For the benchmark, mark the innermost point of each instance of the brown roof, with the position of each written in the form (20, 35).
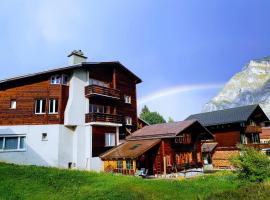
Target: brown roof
(130, 149)
(208, 147)
(165, 130)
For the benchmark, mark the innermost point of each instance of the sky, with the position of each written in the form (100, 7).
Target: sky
(183, 50)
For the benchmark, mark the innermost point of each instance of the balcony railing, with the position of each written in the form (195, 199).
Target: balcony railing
(101, 117)
(253, 129)
(96, 90)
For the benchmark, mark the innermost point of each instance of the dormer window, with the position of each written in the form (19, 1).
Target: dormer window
(56, 79)
(127, 99)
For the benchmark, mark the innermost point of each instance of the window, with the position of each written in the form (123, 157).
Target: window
(99, 83)
(128, 121)
(64, 79)
(127, 99)
(13, 104)
(109, 139)
(53, 105)
(55, 79)
(119, 164)
(11, 143)
(44, 137)
(40, 106)
(129, 164)
(99, 109)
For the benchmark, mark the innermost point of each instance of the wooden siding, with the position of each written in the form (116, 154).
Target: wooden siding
(227, 139)
(25, 93)
(98, 140)
(127, 86)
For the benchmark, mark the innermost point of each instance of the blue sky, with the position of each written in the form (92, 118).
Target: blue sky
(184, 50)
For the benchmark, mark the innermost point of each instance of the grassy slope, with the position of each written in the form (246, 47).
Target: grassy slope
(28, 182)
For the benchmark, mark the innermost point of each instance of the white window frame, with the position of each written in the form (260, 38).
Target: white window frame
(40, 107)
(127, 99)
(128, 121)
(54, 80)
(63, 78)
(13, 104)
(111, 140)
(54, 106)
(18, 144)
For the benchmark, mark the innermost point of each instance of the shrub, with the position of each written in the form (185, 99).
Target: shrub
(252, 165)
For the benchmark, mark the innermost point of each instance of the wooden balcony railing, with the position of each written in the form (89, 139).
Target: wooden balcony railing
(101, 117)
(253, 129)
(96, 90)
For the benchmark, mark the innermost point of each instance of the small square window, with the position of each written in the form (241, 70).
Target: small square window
(127, 99)
(128, 121)
(13, 104)
(44, 136)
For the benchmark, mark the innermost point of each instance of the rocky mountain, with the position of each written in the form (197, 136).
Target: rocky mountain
(250, 86)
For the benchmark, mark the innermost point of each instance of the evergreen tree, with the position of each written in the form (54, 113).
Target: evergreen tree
(151, 117)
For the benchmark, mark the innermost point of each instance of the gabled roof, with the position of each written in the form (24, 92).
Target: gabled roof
(227, 116)
(165, 130)
(67, 68)
(130, 149)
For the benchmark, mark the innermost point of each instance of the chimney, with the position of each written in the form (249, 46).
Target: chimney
(76, 57)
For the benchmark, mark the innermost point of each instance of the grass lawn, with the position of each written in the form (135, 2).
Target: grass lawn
(29, 182)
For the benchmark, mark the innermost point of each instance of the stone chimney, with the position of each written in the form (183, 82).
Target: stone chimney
(76, 57)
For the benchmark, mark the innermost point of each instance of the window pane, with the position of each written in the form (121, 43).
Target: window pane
(11, 143)
(37, 106)
(51, 105)
(52, 80)
(1, 143)
(22, 142)
(107, 139)
(112, 139)
(56, 105)
(43, 105)
(94, 108)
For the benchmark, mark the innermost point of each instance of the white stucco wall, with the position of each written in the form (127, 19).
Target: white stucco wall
(77, 102)
(38, 152)
(65, 154)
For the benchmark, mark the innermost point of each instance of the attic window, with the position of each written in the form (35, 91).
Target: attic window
(134, 146)
(56, 79)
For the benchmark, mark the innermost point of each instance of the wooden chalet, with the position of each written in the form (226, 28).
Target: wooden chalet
(160, 148)
(241, 125)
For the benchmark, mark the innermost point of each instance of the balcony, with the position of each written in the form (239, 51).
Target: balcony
(96, 90)
(253, 129)
(101, 117)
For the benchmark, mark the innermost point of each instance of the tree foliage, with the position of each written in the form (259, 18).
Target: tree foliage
(252, 165)
(151, 117)
(170, 120)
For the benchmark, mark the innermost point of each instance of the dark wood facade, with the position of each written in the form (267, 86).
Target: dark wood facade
(120, 84)
(25, 92)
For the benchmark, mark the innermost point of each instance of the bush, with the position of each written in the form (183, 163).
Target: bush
(252, 165)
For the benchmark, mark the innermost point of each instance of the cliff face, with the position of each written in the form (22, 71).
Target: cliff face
(250, 86)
